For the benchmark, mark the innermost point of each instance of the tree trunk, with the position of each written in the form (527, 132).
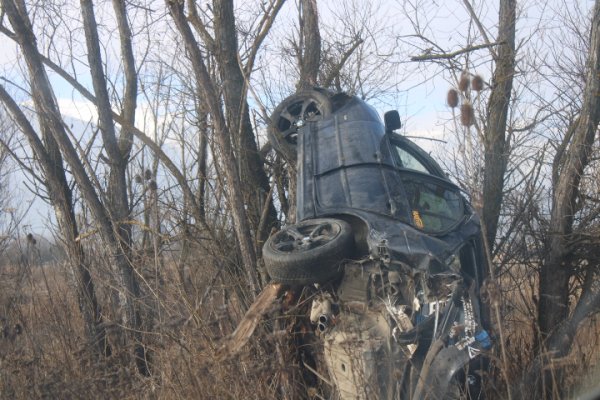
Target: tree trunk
(310, 44)
(557, 328)
(118, 150)
(202, 119)
(54, 132)
(495, 143)
(223, 136)
(556, 272)
(61, 199)
(250, 164)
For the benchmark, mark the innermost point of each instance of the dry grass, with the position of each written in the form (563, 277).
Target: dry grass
(518, 288)
(48, 359)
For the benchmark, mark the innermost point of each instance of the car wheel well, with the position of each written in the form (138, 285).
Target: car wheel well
(360, 231)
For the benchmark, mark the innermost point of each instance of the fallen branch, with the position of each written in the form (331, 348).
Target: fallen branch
(238, 339)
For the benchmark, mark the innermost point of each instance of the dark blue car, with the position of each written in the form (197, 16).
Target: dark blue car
(383, 228)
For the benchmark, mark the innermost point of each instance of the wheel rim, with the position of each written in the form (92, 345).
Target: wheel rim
(298, 238)
(297, 114)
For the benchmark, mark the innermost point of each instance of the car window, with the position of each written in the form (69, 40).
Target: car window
(409, 161)
(434, 207)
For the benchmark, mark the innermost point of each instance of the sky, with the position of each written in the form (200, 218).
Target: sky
(418, 90)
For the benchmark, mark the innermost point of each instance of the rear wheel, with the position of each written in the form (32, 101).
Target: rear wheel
(292, 114)
(308, 252)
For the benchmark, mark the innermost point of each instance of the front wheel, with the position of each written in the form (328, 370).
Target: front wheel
(308, 252)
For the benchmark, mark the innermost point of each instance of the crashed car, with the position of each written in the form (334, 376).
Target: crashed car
(394, 245)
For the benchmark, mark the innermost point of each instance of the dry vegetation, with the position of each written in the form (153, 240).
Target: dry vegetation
(518, 288)
(43, 350)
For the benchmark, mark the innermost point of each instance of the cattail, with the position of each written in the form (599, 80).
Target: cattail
(148, 174)
(152, 185)
(137, 179)
(477, 83)
(467, 114)
(452, 98)
(464, 81)
(30, 238)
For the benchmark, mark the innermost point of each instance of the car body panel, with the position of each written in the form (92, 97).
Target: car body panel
(346, 167)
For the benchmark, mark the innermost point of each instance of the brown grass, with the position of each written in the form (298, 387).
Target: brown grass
(49, 359)
(518, 288)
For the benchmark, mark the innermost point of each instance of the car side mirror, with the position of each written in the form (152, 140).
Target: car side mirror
(392, 121)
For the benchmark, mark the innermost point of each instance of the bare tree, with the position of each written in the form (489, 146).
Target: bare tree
(234, 77)
(112, 214)
(496, 140)
(557, 324)
(223, 135)
(551, 244)
(60, 194)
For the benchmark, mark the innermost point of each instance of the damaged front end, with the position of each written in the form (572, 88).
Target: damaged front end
(390, 334)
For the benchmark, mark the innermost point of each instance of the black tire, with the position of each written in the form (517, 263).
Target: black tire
(294, 112)
(308, 252)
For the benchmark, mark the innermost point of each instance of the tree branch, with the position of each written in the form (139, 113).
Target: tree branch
(449, 56)
(130, 95)
(480, 27)
(264, 27)
(199, 26)
(164, 158)
(338, 67)
(223, 135)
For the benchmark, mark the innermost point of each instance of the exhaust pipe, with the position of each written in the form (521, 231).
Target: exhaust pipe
(323, 323)
(321, 306)
(321, 327)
